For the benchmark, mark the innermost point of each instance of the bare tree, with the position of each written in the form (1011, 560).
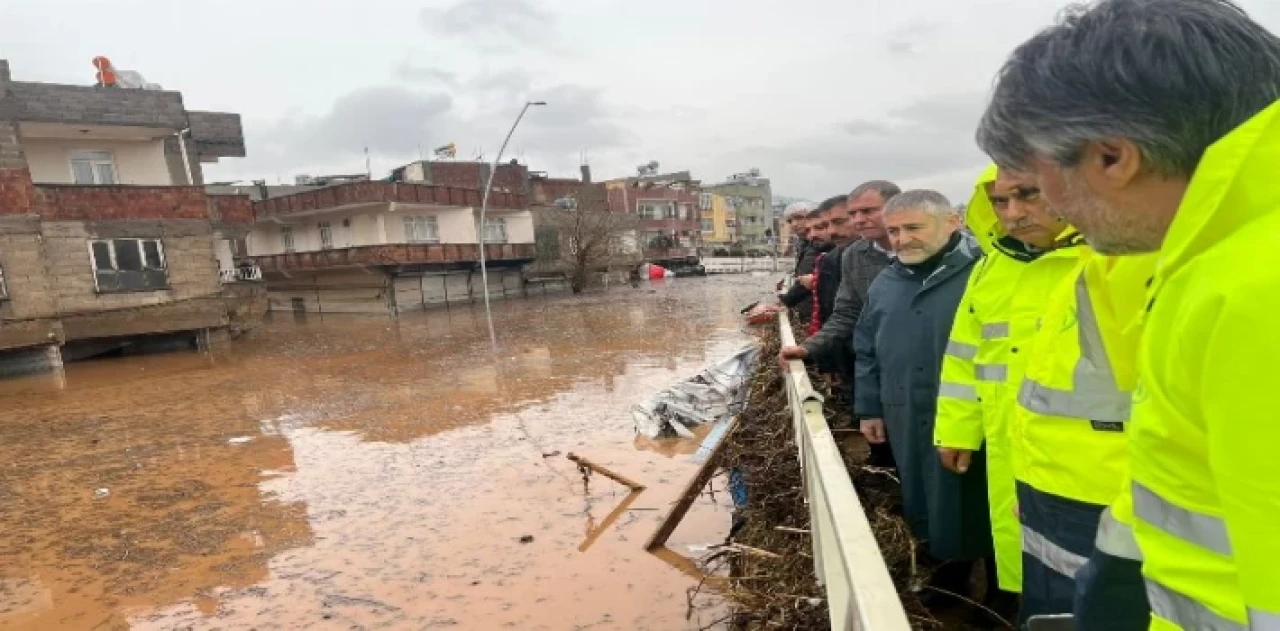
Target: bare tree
(580, 235)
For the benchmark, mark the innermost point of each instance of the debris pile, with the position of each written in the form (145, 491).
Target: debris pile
(775, 588)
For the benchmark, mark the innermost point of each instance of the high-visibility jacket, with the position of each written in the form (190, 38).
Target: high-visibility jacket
(1068, 429)
(1206, 484)
(984, 364)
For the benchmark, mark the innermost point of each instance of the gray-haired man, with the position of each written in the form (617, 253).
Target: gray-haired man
(898, 345)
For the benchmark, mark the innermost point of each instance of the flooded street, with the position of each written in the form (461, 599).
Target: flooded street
(358, 472)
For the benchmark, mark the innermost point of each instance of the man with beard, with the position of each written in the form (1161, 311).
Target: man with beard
(1028, 252)
(1153, 126)
(898, 345)
(860, 263)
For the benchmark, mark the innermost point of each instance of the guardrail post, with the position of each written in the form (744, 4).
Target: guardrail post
(846, 558)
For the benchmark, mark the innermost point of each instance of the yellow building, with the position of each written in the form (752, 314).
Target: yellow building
(719, 219)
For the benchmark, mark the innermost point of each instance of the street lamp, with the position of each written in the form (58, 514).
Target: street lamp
(484, 208)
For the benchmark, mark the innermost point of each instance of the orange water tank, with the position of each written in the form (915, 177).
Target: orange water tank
(106, 74)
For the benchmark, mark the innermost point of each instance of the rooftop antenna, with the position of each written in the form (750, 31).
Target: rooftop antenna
(368, 167)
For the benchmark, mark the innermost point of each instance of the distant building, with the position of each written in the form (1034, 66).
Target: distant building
(751, 199)
(106, 234)
(667, 206)
(719, 219)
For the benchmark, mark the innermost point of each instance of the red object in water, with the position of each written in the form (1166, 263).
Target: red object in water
(656, 272)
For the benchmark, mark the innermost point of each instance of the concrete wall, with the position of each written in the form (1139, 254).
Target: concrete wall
(29, 316)
(519, 225)
(57, 103)
(188, 252)
(137, 162)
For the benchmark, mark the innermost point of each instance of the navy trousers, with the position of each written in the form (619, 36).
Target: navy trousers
(1057, 539)
(1110, 595)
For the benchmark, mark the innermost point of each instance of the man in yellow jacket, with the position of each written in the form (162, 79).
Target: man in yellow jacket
(1154, 126)
(989, 341)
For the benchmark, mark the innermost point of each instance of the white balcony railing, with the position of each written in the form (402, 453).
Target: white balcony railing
(241, 274)
(846, 557)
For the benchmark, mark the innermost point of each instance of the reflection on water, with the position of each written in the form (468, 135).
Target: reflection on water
(344, 472)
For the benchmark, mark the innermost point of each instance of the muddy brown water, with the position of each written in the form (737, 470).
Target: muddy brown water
(356, 472)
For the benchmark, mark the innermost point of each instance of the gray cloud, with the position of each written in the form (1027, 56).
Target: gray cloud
(904, 40)
(396, 122)
(926, 142)
(412, 73)
(493, 23)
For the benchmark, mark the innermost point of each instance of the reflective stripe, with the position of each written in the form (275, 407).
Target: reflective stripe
(995, 330)
(1186, 612)
(1203, 530)
(1260, 620)
(960, 350)
(1096, 396)
(958, 391)
(1053, 556)
(1111, 407)
(1116, 539)
(991, 372)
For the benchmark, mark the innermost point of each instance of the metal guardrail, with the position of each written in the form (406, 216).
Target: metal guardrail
(846, 557)
(736, 264)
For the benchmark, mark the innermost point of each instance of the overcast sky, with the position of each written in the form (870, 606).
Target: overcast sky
(820, 95)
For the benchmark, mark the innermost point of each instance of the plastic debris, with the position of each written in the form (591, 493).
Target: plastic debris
(712, 395)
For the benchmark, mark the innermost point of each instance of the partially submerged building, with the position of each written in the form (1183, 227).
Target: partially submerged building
(107, 238)
(387, 247)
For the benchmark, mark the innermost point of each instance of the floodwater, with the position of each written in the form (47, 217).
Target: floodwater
(359, 472)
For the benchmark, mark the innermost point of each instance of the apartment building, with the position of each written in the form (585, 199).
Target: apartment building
(719, 219)
(387, 247)
(669, 227)
(751, 198)
(107, 238)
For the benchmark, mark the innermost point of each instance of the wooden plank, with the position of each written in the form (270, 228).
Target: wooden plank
(691, 492)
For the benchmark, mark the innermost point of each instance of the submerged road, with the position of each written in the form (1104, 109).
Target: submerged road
(358, 472)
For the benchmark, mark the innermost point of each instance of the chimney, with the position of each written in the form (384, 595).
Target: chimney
(263, 193)
(586, 174)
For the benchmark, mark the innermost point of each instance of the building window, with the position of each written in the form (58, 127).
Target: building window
(286, 238)
(326, 235)
(707, 226)
(4, 288)
(93, 167)
(704, 201)
(421, 230)
(672, 212)
(650, 211)
(129, 265)
(495, 230)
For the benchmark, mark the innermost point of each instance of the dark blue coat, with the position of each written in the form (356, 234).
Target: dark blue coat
(898, 346)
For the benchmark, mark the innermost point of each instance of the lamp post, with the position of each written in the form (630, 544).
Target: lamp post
(484, 208)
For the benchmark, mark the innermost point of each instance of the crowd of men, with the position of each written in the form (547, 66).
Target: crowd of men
(1073, 378)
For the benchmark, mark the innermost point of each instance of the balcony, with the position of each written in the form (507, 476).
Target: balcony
(668, 225)
(393, 255)
(368, 193)
(244, 274)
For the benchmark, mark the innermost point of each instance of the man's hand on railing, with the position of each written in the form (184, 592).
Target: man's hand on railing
(806, 280)
(873, 429)
(789, 353)
(955, 460)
